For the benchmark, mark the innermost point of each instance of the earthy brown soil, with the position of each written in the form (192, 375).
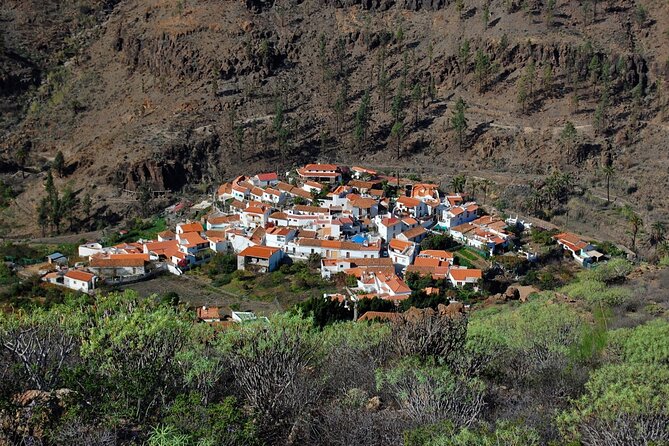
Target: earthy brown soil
(150, 92)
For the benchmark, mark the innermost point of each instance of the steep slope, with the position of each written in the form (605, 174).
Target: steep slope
(168, 94)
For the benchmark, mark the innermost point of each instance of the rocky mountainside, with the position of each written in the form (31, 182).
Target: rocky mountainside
(177, 94)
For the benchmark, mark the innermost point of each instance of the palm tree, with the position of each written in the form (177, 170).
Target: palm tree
(608, 172)
(636, 222)
(536, 201)
(485, 185)
(458, 183)
(473, 187)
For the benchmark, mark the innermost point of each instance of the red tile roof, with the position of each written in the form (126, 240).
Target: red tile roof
(119, 260)
(400, 245)
(409, 202)
(261, 252)
(208, 313)
(79, 275)
(270, 176)
(414, 232)
(321, 167)
(462, 274)
(191, 227)
(191, 239)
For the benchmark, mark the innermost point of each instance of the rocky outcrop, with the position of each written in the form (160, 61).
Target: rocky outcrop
(196, 159)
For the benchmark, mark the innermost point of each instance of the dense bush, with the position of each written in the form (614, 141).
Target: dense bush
(142, 372)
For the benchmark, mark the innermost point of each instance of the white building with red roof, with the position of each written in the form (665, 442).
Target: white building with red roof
(401, 252)
(269, 179)
(410, 206)
(260, 259)
(463, 276)
(79, 280)
(458, 215)
(324, 173)
(582, 251)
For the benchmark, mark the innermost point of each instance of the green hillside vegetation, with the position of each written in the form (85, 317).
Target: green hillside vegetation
(142, 372)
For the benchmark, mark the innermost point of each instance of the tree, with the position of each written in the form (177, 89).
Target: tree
(522, 94)
(430, 54)
(416, 98)
(43, 214)
(397, 107)
(322, 54)
(568, 136)
(383, 84)
(51, 191)
(550, 12)
(458, 183)
(594, 69)
(486, 14)
(68, 203)
(459, 120)
(339, 105)
(608, 172)
(22, 157)
(59, 164)
(432, 89)
(463, 58)
(40, 345)
(482, 69)
(397, 132)
(362, 119)
(635, 222)
(239, 139)
(86, 205)
(485, 187)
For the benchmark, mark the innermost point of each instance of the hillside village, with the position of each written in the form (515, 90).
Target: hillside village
(350, 221)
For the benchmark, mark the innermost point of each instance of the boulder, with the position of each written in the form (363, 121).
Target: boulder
(512, 293)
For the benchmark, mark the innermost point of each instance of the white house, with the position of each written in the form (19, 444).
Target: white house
(401, 252)
(389, 227)
(332, 249)
(362, 172)
(241, 190)
(582, 251)
(273, 196)
(215, 222)
(262, 259)
(183, 228)
(119, 265)
(269, 179)
(255, 216)
(411, 206)
(278, 236)
(89, 249)
(362, 207)
(330, 173)
(79, 280)
(459, 215)
(415, 234)
(463, 276)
